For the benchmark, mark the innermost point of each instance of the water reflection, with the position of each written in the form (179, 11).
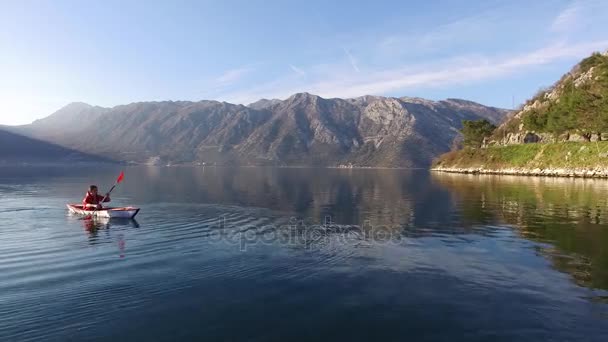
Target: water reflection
(97, 223)
(570, 217)
(348, 196)
(99, 231)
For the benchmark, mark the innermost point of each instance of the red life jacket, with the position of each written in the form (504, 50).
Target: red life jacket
(89, 198)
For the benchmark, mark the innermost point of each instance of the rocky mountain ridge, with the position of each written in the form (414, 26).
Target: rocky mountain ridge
(303, 130)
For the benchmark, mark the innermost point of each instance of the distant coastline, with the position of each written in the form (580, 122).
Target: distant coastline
(10, 163)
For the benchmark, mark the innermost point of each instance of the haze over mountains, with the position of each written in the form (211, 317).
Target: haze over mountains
(302, 130)
(15, 148)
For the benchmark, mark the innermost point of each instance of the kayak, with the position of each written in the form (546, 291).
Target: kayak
(121, 212)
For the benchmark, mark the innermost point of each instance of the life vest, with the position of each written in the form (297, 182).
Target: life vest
(91, 200)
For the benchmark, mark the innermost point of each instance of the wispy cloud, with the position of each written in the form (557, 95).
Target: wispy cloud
(460, 70)
(215, 86)
(465, 50)
(352, 60)
(297, 70)
(444, 35)
(232, 76)
(569, 17)
(579, 16)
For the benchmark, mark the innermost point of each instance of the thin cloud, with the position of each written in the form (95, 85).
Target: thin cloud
(461, 70)
(447, 34)
(568, 18)
(297, 70)
(580, 16)
(232, 76)
(352, 60)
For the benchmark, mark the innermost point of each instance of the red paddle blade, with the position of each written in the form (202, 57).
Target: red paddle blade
(120, 177)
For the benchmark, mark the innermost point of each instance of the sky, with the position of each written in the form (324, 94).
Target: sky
(110, 52)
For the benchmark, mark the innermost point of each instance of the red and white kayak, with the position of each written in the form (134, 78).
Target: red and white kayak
(122, 212)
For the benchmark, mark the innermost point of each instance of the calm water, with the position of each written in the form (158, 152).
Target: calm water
(303, 254)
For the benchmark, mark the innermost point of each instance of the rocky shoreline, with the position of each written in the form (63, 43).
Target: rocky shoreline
(549, 172)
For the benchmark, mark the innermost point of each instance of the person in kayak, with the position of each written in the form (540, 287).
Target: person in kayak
(92, 200)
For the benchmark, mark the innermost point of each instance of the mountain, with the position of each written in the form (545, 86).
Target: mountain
(304, 129)
(264, 103)
(551, 133)
(73, 118)
(15, 148)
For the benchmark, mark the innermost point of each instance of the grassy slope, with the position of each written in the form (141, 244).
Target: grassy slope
(529, 156)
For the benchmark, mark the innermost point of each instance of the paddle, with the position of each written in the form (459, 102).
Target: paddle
(121, 176)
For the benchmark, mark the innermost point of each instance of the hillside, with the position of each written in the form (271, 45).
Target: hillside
(562, 130)
(15, 148)
(302, 130)
(573, 109)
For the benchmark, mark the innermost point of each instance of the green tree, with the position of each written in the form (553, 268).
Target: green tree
(474, 131)
(535, 120)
